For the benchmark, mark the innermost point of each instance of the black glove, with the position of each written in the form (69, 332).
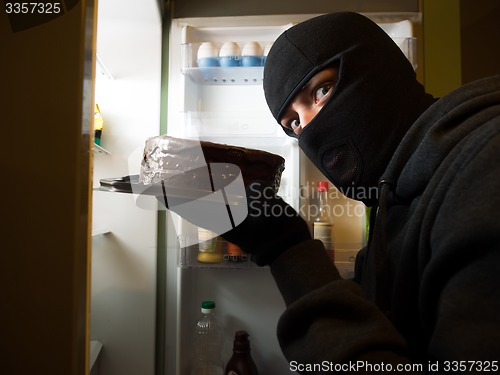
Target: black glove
(271, 227)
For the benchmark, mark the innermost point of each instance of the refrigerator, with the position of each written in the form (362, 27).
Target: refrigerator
(48, 82)
(226, 105)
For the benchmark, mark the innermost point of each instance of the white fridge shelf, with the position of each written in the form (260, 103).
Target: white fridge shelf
(100, 231)
(188, 258)
(95, 350)
(100, 150)
(238, 75)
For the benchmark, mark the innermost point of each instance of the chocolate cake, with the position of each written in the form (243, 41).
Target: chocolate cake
(185, 163)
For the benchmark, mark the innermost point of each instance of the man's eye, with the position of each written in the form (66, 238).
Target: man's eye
(322, 91)
(294, 124)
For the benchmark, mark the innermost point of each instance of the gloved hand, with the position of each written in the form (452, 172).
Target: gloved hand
(271, 227)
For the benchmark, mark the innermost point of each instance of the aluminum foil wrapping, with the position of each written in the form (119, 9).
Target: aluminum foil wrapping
(183, 163)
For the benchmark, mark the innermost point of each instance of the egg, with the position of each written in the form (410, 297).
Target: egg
(252, 54)
(207, 49)
(229, 49)
(229, 54)
(267, 48)
(207, 55)
(252, 49)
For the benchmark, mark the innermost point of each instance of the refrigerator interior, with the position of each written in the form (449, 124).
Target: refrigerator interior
(236, 114)
(227, 105)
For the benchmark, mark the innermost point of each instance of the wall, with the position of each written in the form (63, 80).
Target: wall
(480, 38)
(441, 39)
(460, 40)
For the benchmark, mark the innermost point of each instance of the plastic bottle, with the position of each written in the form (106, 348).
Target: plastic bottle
(323, 225)
(207, 343)
(98, 125)
(241, 362)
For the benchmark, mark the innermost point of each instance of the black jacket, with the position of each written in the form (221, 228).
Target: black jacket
(428, 284)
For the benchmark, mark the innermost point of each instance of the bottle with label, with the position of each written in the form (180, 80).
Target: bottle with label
(241, 362)
(207, 343)
(323, 225)
(98, 125)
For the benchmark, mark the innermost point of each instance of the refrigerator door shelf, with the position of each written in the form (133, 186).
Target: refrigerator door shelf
(237, 75)
(100, 150)
(346, 269)
(177, 195)
(253, 75)
(188, 258)
(345, 258)
(95, 350)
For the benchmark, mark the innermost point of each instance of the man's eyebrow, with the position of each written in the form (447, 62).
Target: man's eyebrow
(313, 78)
(306, 84)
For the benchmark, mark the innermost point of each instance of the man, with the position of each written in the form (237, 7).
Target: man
(426, 291)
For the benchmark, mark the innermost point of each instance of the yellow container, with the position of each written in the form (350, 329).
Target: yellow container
(211, 247)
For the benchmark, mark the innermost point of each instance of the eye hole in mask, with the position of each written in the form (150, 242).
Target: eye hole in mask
(310, 100)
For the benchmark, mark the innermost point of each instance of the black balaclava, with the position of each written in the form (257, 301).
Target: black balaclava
(375, 101)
